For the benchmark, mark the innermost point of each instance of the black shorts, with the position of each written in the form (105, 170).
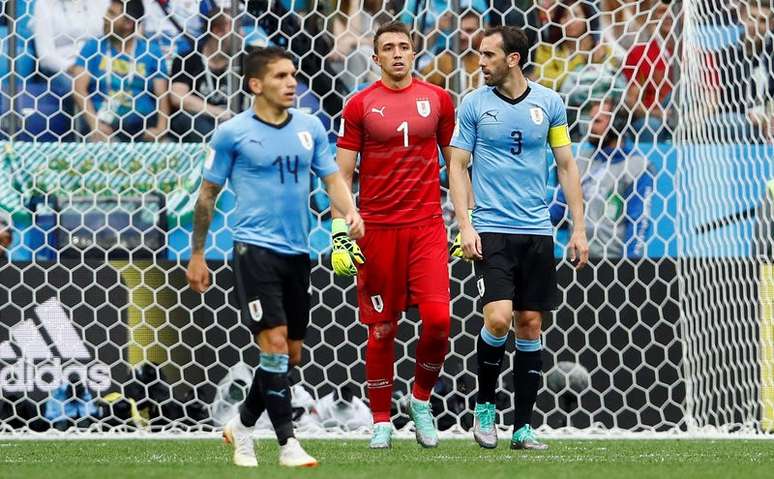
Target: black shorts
(272, 289)
(520, 268)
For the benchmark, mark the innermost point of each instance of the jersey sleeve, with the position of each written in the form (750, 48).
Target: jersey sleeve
(446, 121)
(558, 133)
(351, 128)
(323, 163)
(465, 131)
(220, 157)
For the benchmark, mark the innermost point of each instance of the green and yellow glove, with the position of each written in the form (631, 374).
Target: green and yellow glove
(345, 252)
(456, 247)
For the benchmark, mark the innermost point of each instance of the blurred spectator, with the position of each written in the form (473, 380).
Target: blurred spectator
(353, 28)
(649, 67)
(617, 183)
(60, 28)
(743, 78)
(303, 32)
(623, 23)
(176, 24)
(569, 44)
(121, 80)
(586, 85)
(6, 236)
(434, 21)
(204, 81)
(446, 66)
(573, 62)
(428, 13)
(525, 14)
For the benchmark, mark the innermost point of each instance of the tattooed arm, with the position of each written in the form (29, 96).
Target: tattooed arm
(198, 274)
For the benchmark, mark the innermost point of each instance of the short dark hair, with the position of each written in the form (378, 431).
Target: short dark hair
(257, 61)
(133, 8)
(514, 41)
(392, 27)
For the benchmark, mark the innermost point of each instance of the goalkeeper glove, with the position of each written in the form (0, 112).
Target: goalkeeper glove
(346, 253)
(456, 247)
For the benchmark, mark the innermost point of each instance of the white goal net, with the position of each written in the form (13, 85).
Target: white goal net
(104, 120)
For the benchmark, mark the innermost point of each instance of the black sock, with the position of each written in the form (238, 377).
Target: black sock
(275, 386)
(490, 360)
(252, 407)
(527, 373)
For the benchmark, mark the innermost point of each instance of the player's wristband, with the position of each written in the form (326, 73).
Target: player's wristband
(339, 226)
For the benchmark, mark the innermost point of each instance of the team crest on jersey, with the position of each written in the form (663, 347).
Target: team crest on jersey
(256, 310)
(306, 139)
(423, 108)
(537, 115)
(377, 303)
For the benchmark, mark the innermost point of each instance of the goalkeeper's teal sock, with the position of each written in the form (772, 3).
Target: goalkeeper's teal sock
(490, 350)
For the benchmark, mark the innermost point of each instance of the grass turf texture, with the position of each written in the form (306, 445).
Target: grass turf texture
(661, 459)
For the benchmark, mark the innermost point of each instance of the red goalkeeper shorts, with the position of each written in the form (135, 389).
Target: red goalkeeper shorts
(404, 266)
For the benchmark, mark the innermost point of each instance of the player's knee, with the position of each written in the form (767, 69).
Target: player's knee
(382, 332)
(273, 340)
(498, 323)
(529, 324)
(435, 319)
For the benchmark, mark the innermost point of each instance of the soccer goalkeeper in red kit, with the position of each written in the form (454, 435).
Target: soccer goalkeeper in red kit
(396, 126)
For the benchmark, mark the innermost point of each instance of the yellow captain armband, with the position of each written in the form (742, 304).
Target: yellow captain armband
(559, 136)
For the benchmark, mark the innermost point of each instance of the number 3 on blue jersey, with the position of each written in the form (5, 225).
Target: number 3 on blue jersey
(517, 140)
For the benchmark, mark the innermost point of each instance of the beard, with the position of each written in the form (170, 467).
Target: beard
(496, 76)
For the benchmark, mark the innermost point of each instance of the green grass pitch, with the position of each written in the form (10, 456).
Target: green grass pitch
(598, 459)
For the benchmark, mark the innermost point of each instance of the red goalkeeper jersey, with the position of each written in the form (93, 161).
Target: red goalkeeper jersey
(397, 133)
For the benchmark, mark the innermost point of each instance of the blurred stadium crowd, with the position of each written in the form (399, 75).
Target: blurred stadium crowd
(169, 69)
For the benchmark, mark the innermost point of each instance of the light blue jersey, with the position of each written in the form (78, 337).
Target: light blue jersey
(268, 167)
(508, 140)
